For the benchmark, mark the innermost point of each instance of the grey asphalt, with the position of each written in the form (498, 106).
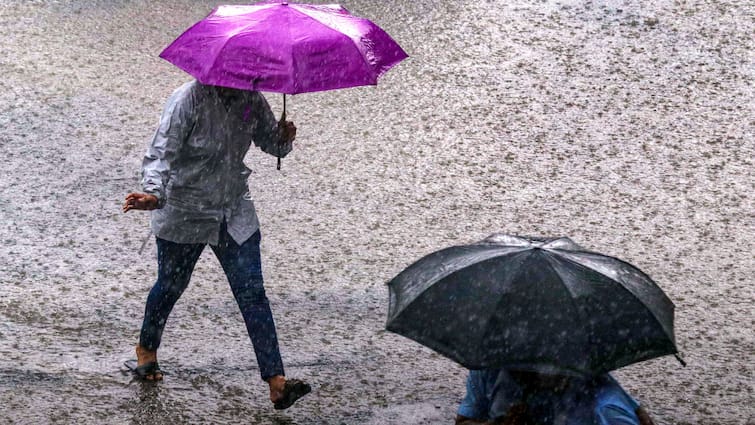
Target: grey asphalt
(625, 125)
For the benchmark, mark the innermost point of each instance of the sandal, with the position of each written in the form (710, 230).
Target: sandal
(144, 371)
(293, 390)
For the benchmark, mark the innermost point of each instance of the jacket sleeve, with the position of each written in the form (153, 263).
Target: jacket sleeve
(176, 123)
(266, 134)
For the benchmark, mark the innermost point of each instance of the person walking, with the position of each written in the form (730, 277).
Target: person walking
(195, 183)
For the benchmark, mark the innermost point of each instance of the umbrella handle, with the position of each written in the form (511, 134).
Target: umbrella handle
(282, 120)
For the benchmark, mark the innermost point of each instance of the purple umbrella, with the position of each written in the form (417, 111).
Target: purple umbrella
(284, 48)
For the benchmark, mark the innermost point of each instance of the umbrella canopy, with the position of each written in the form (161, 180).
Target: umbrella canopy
(538, 304)
(284, 48)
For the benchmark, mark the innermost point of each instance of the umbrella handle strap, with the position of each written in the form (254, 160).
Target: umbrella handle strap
(281, 121)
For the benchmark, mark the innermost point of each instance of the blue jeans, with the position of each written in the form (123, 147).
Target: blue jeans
(243, 268)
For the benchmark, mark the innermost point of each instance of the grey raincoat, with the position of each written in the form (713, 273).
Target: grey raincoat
(195, 164)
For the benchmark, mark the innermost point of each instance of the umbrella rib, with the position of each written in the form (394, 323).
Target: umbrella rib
(434, 344)
(240, 31)
(220, 51)
(624, 288)
(643, 274)
(500, 302)
(176, 41)
(571, 298)
(487, 322)
(652, 314)
(294, 76)
(498, 305)
(373, 75)
(488, 255)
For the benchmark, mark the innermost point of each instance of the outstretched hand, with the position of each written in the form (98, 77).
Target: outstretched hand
(140, 201)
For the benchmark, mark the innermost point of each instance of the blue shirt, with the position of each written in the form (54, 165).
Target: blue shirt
(598, 401)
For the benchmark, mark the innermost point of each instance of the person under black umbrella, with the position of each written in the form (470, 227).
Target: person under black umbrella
(540, 304)
(511, 397)
(540, 322)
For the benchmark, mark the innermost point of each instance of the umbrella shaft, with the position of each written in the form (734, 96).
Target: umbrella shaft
(283, 116)
(282, 121)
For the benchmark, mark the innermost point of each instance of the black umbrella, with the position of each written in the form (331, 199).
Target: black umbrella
(539, 304)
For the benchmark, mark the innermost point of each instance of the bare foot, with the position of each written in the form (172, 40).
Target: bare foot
(284, 393)
(277, 383)
(144, 356)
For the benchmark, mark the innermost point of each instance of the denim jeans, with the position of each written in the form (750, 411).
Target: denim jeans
(243, 268)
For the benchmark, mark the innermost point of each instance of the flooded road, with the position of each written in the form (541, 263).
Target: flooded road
(625, 125)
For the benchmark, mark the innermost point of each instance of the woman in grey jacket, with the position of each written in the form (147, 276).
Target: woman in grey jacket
(195, 180)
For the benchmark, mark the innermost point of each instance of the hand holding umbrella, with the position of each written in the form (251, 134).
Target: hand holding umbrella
(287, 131)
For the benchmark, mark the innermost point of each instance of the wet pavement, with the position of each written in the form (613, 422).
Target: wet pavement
(625, 125)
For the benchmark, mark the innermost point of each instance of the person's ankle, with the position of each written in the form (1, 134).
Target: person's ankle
(144, 355)
(277, 384)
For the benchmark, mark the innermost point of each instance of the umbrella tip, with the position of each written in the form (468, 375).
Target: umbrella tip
(681, 360)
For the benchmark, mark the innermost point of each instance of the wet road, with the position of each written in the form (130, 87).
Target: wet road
(624, 125)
